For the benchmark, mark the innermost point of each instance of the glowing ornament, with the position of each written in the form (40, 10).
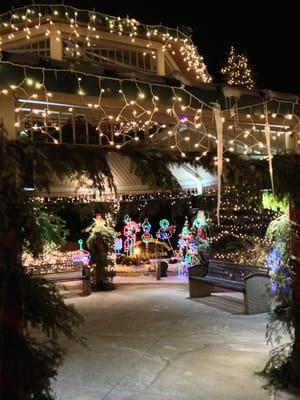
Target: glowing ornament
(81, 256)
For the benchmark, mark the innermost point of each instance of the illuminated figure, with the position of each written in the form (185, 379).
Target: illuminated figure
(166, 230)
(81, 256)
(146, 236)
(187, 245)
(130, 230)
(199, 225)
(118, 242)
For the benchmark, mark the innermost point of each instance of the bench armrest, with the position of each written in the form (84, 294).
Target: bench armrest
(257, 293)
(86, 272)
(198, 270)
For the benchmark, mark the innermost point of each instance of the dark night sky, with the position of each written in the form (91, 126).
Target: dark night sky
(268, 32)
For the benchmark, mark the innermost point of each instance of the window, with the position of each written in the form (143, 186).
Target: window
(135, 58)
(61, 126)
(41, 48)
(168, 66)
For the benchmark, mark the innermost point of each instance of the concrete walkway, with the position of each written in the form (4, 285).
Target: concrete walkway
(150, 342)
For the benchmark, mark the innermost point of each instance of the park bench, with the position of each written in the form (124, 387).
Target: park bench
(78, 273)
(253, 282)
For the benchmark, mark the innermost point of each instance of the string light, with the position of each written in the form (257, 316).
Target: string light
(33, 17)
(242, 229)
(143, 116)
(237, 71)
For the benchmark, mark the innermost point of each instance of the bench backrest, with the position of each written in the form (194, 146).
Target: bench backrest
(79, 272)
(232, 272)
(54, 268)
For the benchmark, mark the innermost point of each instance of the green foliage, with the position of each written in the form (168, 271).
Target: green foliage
(254, 173)
(101, 245)
(80, 162)
(279, 231)
(151, 164)
(282, 368)
(50, 229)
(44, 308)
(277, 367)
(99, 229)
(32, 312)
(270, 202)
(33, 364)
(34, 358)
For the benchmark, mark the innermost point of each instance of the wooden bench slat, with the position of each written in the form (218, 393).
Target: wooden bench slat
(226, 284)
(63, 275)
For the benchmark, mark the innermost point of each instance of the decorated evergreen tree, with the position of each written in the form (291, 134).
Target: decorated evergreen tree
(101, 243)
(240, 238)
(237, 71)
(27, 363)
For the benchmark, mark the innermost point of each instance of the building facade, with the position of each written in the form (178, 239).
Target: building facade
(77, 77)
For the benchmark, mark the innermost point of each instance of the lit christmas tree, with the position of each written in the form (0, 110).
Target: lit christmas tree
(237, 71)
(240, 238)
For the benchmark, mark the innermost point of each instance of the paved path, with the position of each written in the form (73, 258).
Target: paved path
(149, 342)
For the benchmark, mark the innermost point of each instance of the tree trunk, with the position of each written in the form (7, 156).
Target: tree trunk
(100, 274)
(294, 211)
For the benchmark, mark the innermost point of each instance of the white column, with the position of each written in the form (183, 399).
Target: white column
(290, 141)
(160, 62)
(56, 45)
(7, 115)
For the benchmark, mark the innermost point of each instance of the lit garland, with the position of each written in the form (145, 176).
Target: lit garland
(125, 198)
(47, 18)
(243, 127)
(52, 260)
